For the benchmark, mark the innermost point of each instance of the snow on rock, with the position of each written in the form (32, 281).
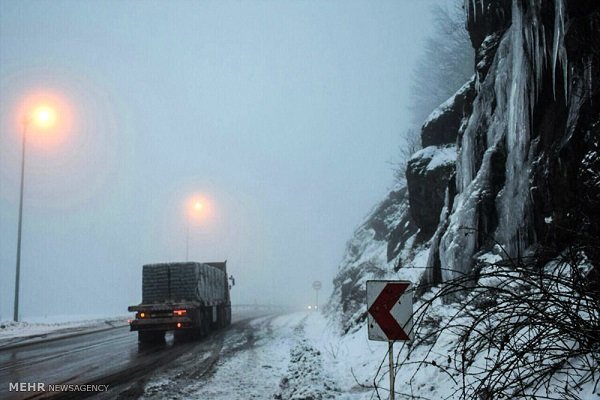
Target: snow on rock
(371, 253)
(442, 125)
(433, 157)
(427, 175)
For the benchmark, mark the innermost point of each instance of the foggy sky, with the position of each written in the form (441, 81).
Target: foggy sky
(283, 115)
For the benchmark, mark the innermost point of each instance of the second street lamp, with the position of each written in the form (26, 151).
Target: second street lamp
(43, 117)
(195, 213)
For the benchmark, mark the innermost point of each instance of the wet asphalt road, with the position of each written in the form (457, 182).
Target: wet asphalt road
(111, 357)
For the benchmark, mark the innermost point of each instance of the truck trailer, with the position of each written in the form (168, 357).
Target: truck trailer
(189, 298)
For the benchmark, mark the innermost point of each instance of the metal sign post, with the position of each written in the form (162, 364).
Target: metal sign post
(392, 372)
(389, 305)
(317, 286)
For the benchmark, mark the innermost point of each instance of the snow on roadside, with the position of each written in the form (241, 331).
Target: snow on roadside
(432, 371)
(354, 363)
(11, 331)
(258, 369)
(306, 379)
(346, 358)
(250, 365)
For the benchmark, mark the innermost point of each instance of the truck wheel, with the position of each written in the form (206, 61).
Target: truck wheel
(219, 317)
(206, 322)
(151, 336)
(197, 333)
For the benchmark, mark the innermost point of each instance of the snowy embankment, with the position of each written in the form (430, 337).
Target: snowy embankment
(355, 368)
(44, 328)
(255, 360)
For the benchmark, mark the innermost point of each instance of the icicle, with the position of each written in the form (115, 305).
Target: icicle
(457, 244)
(471, 4)
(577, 96)
(559, 52)
(588, 66)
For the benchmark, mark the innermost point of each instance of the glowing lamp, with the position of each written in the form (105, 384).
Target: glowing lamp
(44, 116)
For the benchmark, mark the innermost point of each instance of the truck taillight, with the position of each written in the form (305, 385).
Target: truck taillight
(180, 312)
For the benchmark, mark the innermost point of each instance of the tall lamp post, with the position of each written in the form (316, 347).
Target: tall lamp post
(44, 117)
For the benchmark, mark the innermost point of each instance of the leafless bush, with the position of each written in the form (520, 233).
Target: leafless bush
(523, 330)
(446, 63)
(412, 144)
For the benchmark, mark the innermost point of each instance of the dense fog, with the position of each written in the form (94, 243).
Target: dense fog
(280, 118)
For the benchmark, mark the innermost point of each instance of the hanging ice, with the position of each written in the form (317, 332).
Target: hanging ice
(500, 123)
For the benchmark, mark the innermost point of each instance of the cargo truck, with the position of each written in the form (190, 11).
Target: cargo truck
(189, 298)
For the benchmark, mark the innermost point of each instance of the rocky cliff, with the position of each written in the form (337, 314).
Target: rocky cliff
(509, 162)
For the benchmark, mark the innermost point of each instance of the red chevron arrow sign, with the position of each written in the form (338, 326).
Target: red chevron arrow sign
(390, 310)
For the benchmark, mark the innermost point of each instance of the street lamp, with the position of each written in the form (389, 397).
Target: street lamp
(195, 213)
(44, 117)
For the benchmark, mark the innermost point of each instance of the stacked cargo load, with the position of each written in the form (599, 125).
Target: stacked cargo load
(177, 282)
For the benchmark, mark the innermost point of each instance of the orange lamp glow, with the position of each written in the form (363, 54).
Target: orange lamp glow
(48, 118)
(180, 312)
(179, 324)
(44, 116)
(142, 315)
(197, 209)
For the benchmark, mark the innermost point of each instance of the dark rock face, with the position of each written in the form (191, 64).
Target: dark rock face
(526, 179)
(379, 221)
(486, 18)
(443, 125)
(565, 175)
(405, 227)
(351, 289)
(427, 176)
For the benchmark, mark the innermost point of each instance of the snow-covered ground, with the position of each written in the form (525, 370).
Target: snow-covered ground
(295, 356)
(299, 357)
(43, 328)
(250, 363)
